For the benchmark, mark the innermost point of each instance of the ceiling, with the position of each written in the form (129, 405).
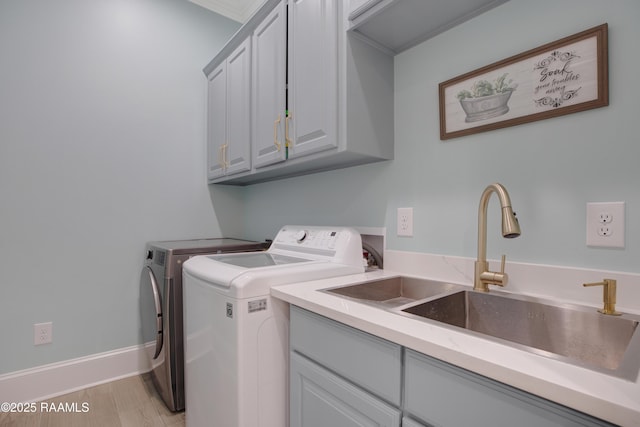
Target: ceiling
(238, 10)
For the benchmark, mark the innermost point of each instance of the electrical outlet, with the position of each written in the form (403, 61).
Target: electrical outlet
(604, 231)
(405, 222)
(605, 217)
(42, 333)
(605, 224)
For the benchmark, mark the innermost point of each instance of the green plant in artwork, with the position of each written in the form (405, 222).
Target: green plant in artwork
(485, 88)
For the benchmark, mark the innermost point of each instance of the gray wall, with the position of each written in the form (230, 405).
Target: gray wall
(102, 148)
(551, 168)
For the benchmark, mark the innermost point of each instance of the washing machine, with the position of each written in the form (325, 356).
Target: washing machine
(161, 307)
(236, 334)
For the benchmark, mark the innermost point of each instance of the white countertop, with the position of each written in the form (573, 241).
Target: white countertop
(613, 399)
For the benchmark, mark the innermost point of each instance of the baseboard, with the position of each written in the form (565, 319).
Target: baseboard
(47, 381)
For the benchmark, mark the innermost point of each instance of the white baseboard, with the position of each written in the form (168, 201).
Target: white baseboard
(47, 381)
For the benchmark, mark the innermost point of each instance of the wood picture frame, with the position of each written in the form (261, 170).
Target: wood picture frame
(558, 78)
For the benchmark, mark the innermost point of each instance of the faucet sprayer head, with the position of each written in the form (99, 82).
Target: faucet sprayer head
(510, 225)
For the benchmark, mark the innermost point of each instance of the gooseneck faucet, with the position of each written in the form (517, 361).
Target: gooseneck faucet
(510, 228)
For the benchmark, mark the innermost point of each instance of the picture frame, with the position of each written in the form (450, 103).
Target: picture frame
(558, 78)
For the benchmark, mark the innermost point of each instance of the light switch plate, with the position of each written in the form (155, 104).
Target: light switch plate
(605, 224)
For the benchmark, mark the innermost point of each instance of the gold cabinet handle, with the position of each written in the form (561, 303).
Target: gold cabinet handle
(222, 156)
(275, 134)
(287, 140)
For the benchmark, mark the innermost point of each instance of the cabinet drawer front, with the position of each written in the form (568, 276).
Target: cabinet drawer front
(321, 398)
(444, 395)
(369, 361)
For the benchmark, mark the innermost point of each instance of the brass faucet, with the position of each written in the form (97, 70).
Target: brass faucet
(608, 295)
(510, 228)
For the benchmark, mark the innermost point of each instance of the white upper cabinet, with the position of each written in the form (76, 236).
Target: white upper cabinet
(313, 76)
(307, 85)
(319, 99)
(229, 101)
(397, 25)
(216, 121)
(238, 109)
(269, 88)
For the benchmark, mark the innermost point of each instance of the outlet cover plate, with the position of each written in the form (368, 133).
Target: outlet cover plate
(42, 333)
(405, 222)
(605, 224)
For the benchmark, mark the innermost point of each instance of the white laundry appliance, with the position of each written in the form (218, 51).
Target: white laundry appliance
(236, 335)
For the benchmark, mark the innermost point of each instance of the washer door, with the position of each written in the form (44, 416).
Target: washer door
(151, 309)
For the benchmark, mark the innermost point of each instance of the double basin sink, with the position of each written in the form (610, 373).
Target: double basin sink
(574, 334)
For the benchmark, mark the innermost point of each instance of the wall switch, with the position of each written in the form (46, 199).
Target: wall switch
(605, 225)
(405, 222)
(42, 333)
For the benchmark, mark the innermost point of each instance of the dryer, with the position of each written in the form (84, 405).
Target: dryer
(161, 307)
(236, 334)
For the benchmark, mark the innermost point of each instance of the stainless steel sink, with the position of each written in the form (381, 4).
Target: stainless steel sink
(578, 335)
(574, 334)
(394, 292)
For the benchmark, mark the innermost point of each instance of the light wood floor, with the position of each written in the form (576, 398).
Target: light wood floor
(131, 401)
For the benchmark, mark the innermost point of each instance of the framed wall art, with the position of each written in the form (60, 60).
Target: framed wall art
(562, 77)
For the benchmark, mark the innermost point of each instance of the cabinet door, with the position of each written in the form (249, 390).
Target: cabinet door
(374, 364)
(268, 89)
(319, 398)
(313, 76)
(238, 148)
(216, 121)
(431, 385)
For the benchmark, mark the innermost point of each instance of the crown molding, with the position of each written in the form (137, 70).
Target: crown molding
(238, 10)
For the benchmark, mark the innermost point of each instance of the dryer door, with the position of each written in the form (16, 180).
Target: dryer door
(151, 309)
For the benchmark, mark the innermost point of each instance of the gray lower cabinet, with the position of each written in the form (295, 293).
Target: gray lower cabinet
(341, 376)
(444, 395)
(320, 398)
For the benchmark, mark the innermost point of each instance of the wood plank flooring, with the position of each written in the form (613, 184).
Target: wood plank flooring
(128, 402)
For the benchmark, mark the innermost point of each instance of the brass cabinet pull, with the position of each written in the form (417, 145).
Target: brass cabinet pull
(222, 156)
(287, 140)
(275, 134)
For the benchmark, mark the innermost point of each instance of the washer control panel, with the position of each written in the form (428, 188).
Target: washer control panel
(309, 237)
(332, 243)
